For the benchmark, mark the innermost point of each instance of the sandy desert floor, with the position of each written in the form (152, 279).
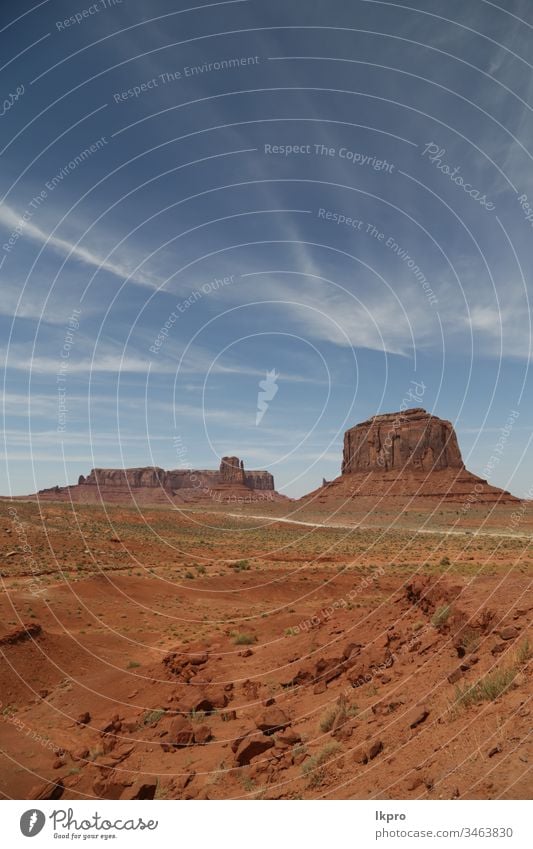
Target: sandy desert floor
(196, 654)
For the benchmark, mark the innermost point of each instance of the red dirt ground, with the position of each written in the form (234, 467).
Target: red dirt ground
(162, 654)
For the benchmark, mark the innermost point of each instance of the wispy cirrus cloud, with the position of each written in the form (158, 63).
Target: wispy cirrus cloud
(10, 219)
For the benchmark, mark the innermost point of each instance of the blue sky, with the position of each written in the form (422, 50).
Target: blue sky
(192, 197)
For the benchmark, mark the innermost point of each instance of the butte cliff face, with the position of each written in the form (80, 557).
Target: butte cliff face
(409, 440)
(410, 454)
(232, 471)
(151, 476)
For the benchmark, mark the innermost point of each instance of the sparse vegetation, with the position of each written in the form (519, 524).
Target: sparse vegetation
(241, 566)
(198, 715)
(441, 616)
(488, 688)
(243, 639)
(152, 717)
(524, 652)
(470, 640)
(311, 767)
(326, 723)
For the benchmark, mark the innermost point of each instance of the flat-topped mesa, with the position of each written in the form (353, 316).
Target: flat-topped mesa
(410, 440)
(231, 473)
(152, 476)
(152, 484)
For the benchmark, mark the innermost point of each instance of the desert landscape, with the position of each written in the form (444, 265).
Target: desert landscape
(197, 635)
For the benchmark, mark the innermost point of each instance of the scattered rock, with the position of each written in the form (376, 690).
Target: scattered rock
(180, 733)
(84, 718)
(418, 716)
(143, 788)
(272, 719)
(455, 675)
(252, 746)
(375, 749)
(360, 755)
(108, 788)
(206, 699)
(48, 790)
(509, 633)
(494, 751)
(113, 726)
(202, 735)
(288, 737)
(228, 715)
(238, 740)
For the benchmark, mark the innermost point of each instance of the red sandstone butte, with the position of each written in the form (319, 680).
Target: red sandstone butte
(408, 453)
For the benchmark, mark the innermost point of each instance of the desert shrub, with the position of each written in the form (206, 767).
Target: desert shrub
(524, 652)
(244, 639)
(152, 717)
(441, 616)
(240, 566)
(326, 723)
(311, 767)
(199, 715)
(445, 561)
(133, 664)
(470, 640)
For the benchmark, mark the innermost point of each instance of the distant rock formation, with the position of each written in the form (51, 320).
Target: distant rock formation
(232, 471)
(145, 476)
(410, 453)
(259, 480)
(152, 484)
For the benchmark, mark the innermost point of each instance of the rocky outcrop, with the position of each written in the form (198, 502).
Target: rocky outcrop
(259, 480)
(408, 440)
(232, 471)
